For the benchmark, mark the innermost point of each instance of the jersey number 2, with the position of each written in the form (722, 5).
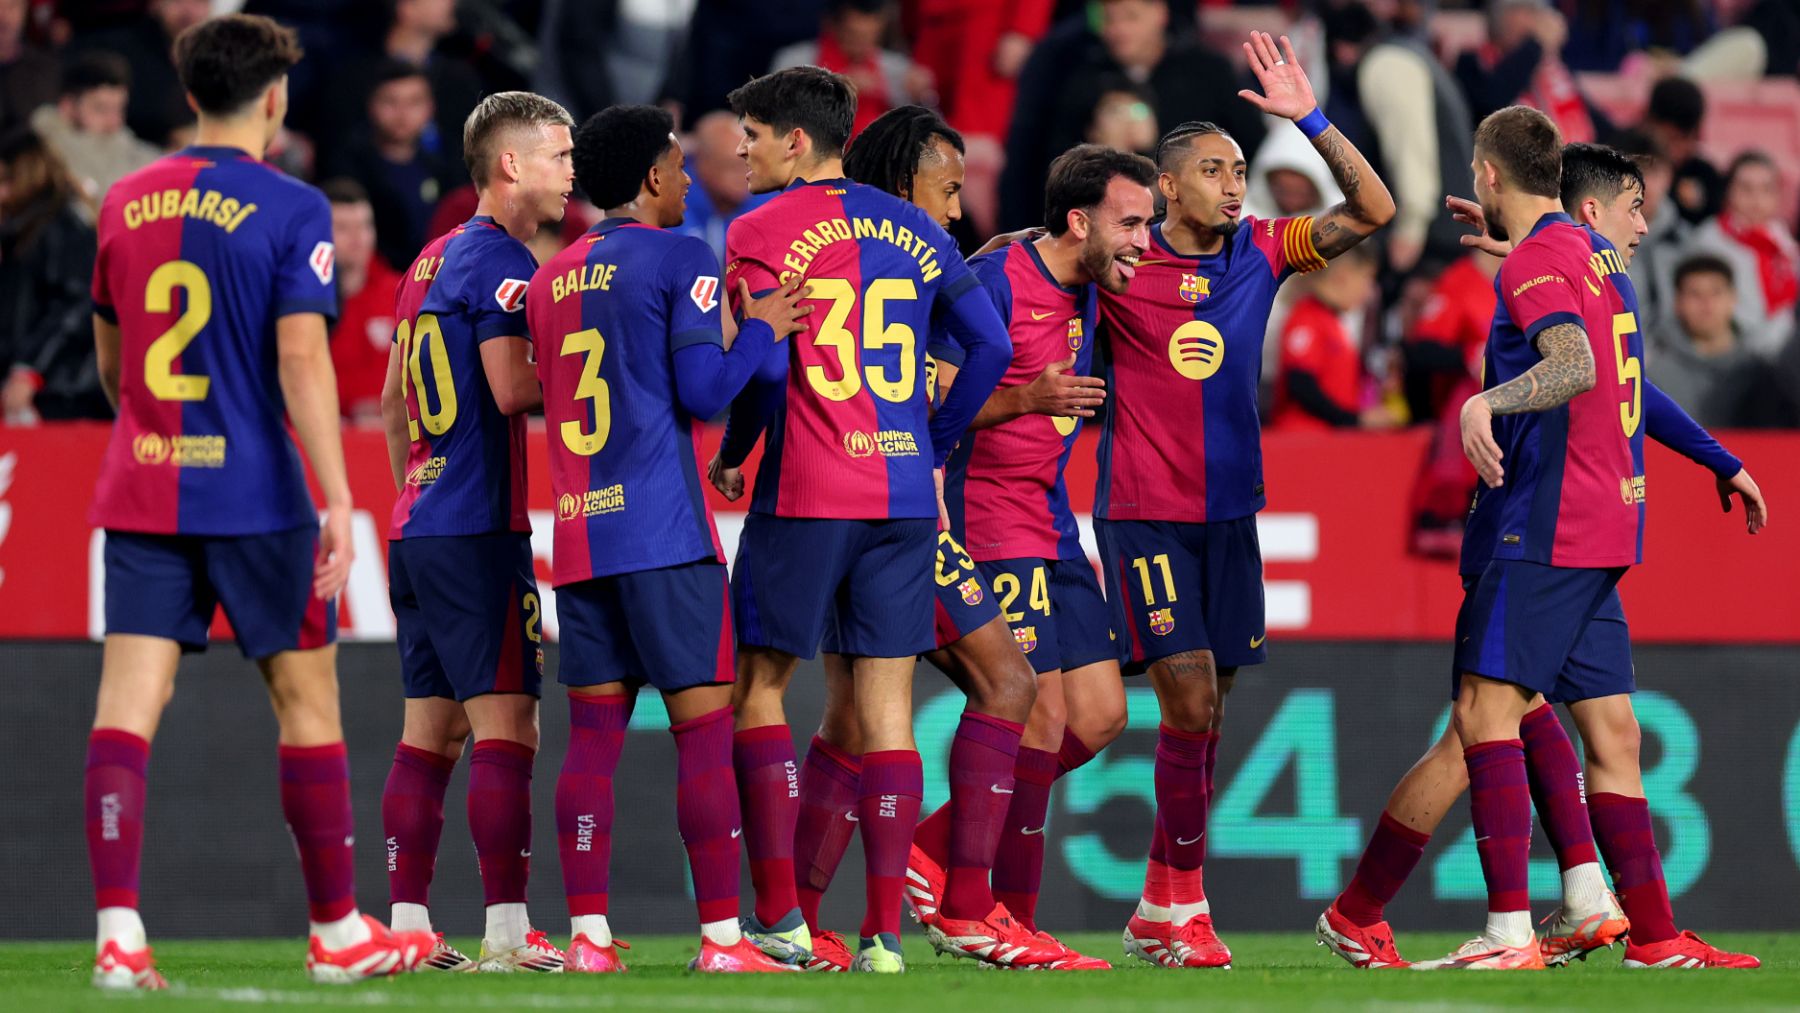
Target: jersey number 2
(159, 359)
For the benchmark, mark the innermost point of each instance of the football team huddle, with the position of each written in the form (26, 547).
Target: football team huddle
(916, 413)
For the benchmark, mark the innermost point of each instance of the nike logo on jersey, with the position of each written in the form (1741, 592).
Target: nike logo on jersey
(996, 789)
(1028, 832)
(1035, 315)
(1185, 843)
(851, 817)
(737, 832)
(1256, 642)
(524, 852)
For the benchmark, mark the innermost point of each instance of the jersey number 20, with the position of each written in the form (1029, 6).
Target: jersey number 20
(415, 336)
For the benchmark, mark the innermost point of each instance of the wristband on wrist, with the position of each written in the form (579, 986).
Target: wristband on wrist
(1313, 124)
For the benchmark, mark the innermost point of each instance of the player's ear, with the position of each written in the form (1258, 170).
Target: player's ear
(1079, 225)
(1165, 183)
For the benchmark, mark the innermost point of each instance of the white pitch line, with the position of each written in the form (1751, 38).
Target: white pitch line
(364, 997)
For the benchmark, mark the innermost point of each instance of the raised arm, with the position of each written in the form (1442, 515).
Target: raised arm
(1367, 205)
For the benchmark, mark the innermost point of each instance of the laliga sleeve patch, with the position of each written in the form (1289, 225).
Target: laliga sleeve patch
(323, 262)
(511, 294)
(705, 293)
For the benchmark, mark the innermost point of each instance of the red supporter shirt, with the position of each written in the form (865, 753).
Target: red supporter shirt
(1314, 340)
(361, 341)
(1459, 311)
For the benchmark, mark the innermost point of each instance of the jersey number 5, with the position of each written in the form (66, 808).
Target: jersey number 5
(159, 359)
(876, 333)
(590, 387)
(415, 335)
(1630, 371)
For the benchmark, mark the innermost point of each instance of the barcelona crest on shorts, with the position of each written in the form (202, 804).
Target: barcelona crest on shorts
(1026, 638)
(970, 590)
(1162, 621)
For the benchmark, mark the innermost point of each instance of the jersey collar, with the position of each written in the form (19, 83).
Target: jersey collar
(839, 181)
(485, 221)
(1037, 260)
(606, 225)
(1553, 218)
(213, 152)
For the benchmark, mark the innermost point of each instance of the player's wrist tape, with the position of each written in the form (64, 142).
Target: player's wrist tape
(1313, 124)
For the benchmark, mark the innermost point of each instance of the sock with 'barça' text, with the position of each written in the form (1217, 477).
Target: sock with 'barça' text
(768, 784)
(1557, 792)
(412, 821)
(584, 807)
(113, 793)
(887, 809)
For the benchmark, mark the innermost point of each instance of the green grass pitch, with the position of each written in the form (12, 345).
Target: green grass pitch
(1271, 972)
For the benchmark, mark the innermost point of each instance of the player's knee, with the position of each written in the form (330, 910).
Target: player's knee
(1049, 717)
(1098, 723)
(1614, 744)
(1007, 690)
(1195, 711)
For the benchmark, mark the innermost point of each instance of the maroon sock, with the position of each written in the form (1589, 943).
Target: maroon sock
(706, 811)
(412, 820)
(113, 800)
(584, 798)
(1627, 839)
(500, 817)
(1181, 796)
(887, 808)
(982, 757)
(1019, 859)
(933, 835)
(1394, 850)
(1500, 804)
(827, 822)
(315, 798)
(1073, 755)
(768, 784)
(1556, 788)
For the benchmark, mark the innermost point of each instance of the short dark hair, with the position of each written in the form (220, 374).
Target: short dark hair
(1079, 178)
(1677, 102)
(1176, 142)
(92, 70)
(226, 62)
(813, 99)
(1637, 146)
(344, 190)
(1526, 146)
(835, 8)
(888, 151)
(498, 113)
(1747, 159)
(1595, 170)
(1704, 263)
(390, 70)
(615, 149)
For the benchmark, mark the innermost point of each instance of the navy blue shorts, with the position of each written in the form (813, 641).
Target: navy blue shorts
(1555, 630)
(964, 603)
(169, 585)
(1059, 618)
(668, 628)
(1180, 587)
(797, 576)
(467, 614)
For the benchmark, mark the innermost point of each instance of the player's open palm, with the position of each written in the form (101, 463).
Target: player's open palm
(1285, 90)
(331, 570)
(1756, 512)
(1056, 391)
(1469, 213)
(1478, 441)
(783, 309)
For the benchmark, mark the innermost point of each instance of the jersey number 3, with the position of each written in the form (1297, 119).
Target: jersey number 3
(590, 387)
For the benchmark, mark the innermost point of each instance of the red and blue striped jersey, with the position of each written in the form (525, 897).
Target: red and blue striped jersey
(1574, 474)
(465, 471)
(851, 438)
(607, 316)
(200, 253)
(1004, 486)
(1181, 440)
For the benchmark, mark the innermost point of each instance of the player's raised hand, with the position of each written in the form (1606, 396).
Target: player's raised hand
(331, 570)
(1478, 441)
(1285, 89)
(781, 309)
(729, 481)
(1469, 213)
(1056, 391)
(1756, 512)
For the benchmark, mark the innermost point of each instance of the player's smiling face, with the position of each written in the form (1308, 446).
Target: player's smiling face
(1118, 233)
(938, 181)
(767, 155)
(546, 170)
(1206, 188)
(672, 185)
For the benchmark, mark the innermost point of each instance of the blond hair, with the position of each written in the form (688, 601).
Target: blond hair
(496, 115)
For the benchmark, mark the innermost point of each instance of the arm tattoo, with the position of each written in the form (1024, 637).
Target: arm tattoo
(1330, 146)
(1567, 370)
(1348, 222)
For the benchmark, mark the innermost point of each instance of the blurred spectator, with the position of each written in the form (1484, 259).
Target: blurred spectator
(1697, 356)
(1673, 121)
(1420, 127)
(414, 36)
(1764, 259)
(27, 75)
(1027, 156)
(574, 59)
(1602, 33)
(1182, 79)
(363, 336)
(158, 107)
(46, 264)
(1321, 383)
(1443, 351)
(849, 43)
(1778, 22)
(1522, 63)
(1123, 119)
(1653, 267)
(721, 190)
(87, 125)
(1288, 177)
(402, 178)
(732, 41)
(646, 38)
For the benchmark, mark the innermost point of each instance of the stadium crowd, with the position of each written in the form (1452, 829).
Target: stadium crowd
(1702, 92)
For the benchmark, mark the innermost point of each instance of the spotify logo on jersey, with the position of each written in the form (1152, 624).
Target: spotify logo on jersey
(1196, 350)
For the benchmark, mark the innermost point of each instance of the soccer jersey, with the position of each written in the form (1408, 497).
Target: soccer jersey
(465, 471)
(200, 253)
(1574, 474)
(607, 316)
(851, 438)
(1004, 486)
(1181, 440)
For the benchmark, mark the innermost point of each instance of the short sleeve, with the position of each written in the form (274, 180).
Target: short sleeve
(691, 282)
(306, 269)
(743, 263)
(1540, 289)
(496, 298)
(1286, 243)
